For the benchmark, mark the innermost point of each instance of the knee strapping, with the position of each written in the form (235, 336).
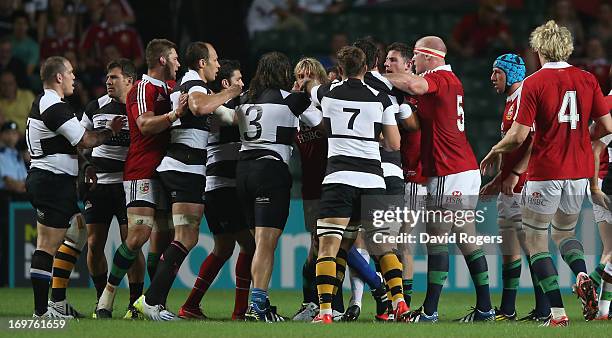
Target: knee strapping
(77, 232)
(191, 221)
(138, 220)
(330, 229)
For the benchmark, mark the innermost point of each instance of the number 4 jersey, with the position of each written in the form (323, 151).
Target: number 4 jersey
(560, 99)
(443, 142)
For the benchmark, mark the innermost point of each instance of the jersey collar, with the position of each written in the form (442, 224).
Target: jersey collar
(191, 75)
(154, 81)
(443, 67)
(52, 92)
(514, 95)
(556, 65)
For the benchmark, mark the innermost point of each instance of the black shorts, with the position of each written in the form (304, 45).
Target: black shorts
(104, 202)
(345, 201)
(264, 189)
(395, 192)
(54, 196)
(183, 187)
(223, 211)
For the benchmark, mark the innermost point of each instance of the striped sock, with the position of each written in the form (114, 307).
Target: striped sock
(340, 269)
(596, 275)
(326, 280)
(122, 261)
(548, 278)
(392, 271)
(542, 306)
(477, 264)
(63, 263)
(40, 275)
(407, 287)
(511, 276)
(573, 254)
(437, 272)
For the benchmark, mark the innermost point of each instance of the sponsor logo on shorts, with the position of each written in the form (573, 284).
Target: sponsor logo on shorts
(536, 199)
(87, 205)
(40, 214)
(144, 188)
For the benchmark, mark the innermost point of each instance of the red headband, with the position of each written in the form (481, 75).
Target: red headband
(430, 51)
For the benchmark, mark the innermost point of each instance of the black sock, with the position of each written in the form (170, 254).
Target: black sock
(152, 262)
(573, 254)
(437, 272)
(338, 300)
(548, 278)
(122, 261)
(511, 275)
(169, 264)
(135, 291)
(477, 264)
(99, 283)
(407, 288)
(309, 290)
(40, 274)
(542, 306)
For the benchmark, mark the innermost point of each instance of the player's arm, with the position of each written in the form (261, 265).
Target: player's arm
(597, 196)
(407, 118)
(409, 83)
(150, 124)
(513, 139)
(391, 135)
(601, 127)
(95, 138)
(201, 103)
(507, 186)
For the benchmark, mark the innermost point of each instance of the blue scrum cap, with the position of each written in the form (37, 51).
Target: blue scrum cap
(514, 67)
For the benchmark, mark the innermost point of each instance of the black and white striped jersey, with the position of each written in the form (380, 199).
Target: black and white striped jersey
(391, 161)
(109, 157)
(52, 133)
(222, 151)
(269, 123)
(188, 134)
(354, 114)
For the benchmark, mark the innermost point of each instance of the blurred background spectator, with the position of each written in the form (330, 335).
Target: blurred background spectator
(13, 170)
(63, 39)
(6, 17)
(563, 12)
(24, 47)
(338, 40)
(8, 62)
(485, 31)
(602, 27)
(15, 103)
(47, 15)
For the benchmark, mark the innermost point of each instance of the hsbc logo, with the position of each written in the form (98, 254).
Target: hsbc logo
(536, 195)
(536, 198)
(456, 193)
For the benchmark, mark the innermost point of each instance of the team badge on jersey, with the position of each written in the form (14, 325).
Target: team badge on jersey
(510, 113)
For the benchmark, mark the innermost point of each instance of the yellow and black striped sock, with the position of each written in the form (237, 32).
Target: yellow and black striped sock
(340, 269)
(63, 263)
(326, 281)
(392, 272)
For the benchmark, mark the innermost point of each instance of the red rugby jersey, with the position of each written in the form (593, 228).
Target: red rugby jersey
(560, 99)
(146, 152)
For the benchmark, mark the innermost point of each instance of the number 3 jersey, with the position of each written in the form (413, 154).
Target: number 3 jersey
(268, 124)
(560, 99)
(444, 146)
(354, 114)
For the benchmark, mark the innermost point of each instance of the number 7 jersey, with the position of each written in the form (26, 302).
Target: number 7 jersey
(560, 99)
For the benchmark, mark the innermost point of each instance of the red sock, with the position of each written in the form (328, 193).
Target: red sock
(243, 283)
(208, 272)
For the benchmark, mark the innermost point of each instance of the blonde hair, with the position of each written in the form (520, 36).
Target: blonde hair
(313, 67)
(553, 42)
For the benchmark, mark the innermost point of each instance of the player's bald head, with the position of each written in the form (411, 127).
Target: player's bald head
(432, 42)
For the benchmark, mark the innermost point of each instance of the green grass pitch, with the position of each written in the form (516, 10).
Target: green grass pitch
(218, 305)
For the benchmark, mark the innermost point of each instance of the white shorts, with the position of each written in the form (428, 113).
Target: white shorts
(145, 193)
(601, 214)
(509, 207)
(454, 192)
(415, 196)
(546, 197)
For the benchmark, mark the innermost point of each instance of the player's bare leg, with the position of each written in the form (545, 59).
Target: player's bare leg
(141, 221)
(605, 296)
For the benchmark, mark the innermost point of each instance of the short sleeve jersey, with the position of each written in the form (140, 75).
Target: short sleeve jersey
(560, 99)
(442, 121)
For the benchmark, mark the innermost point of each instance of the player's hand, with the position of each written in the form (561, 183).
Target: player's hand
(492, 188)
(116, 124)
(91, 177)
(507, 186)
(490, 163)
(598, 197)
(296, 86)
(183, 104)
(234, 90)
